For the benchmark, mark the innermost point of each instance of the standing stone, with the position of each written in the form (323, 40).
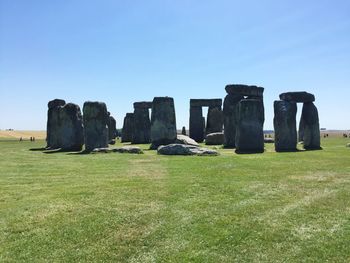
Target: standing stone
(197, 125)
(53, 123)
(312, 137)
(142, 126)
(112, 130)
(301, 129)
(285, 126)
(163, 122)
(96, 121)
(250, 134)
(214, 120)
(128, 127)
(183, 132)
(230, 119)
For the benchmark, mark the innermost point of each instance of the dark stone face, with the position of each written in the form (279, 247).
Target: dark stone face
(183, 132)
(143, 105)
(55, 103)
(112, 129)
(197, 125)
(215, 120)
(250, 134)
(299, 96)
(230, 119)
(163, 122)
(205, 102)
(96, 121)
(64, 126)
(285, 126)
(128, 127)
(245, 90)
(312, 137)
(142, 126)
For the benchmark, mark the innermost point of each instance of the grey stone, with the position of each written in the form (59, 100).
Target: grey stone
(298, 96)
(112, 130)
(216, 138)
(312, 137)
(250, 135)
(205, 102)
(197, 125)
(129, 149)
(301, 129)
(183, 139)
(230, 119)
(143, 105)
(245, 90)
(285, 126)
(183, 131)
(181, 149)
(163, 122)
(142, 126)
(269, 140)
(101, 150)
(128, 127)
(65, 126)
(96, 121)
(215, 120)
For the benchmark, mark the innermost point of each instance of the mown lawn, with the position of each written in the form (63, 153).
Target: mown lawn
(271, 207)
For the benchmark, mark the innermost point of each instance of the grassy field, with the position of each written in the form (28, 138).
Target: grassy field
(271, 207)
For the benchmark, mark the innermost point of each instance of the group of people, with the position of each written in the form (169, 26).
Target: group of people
(32, 139)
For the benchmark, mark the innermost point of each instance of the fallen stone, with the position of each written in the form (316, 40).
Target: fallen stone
(183, 139)
(269, 140)
(245, 90)
(129, 149)
(216, 138)
(102, 150)
(298, 96)
(181, 149)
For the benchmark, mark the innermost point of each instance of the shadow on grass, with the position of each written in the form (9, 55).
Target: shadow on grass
(38, 149)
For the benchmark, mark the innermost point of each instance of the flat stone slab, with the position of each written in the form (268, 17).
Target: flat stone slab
(216, 138)
(143, 105)
(181, 149)
(269, 140)
(124, 149)
(298, 96)
(205, 102)
(183, 139)
(245, 90)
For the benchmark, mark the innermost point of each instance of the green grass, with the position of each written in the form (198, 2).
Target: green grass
(271, 207)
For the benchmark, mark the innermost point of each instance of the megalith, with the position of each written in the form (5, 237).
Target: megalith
(183, 131)
(312, 138)
(163, 122)
(215, 120)
(128, 127)
(52, 134)
(250, 134)
(142, 123)
(230, 119)
(96, 121)
(197, 125)
(285, 126)
(112, 129)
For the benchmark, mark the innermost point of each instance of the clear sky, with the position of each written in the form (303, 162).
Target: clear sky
(120, 52)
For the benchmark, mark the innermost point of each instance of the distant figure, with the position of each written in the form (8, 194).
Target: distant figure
(20, 139)
(33, 139)
(183, 132)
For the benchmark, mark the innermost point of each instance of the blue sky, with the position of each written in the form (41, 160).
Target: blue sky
(120, 52)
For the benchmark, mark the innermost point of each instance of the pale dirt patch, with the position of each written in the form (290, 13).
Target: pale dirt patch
(39, 135)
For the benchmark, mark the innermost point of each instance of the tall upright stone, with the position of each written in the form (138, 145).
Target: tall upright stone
(215, 120)
(112, 130)
(197, 125)
(163, 122)
(301, 129)
(128, 127)
(250, 134)
(183, 131)
(142, 123)
(96, 121)
(52, 134)
(312, 138)
(285, 126)
(230, 119)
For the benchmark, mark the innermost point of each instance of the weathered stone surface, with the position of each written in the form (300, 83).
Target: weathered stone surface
(65, 126)
(269, 140)
(244, 90)
(112, 130)
(301, 129)
(101, 150)
(230, 119)
(96, 120)
(142, 126)
(183, 139)
(250, 135)
(216, 138)
(181, 149)
(129, 149)
(312, 137)
(163, 122)
(285, 126)
(53, 122)
(143, 105)
(197, 125)
(128, 127)
(298, 96)
(215, 120)
(183, 132)
(205, 102)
